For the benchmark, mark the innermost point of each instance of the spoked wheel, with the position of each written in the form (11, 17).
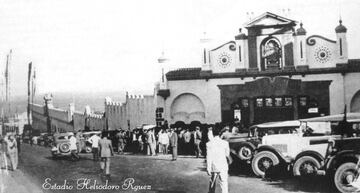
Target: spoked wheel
(344, 175)
(306, 166)
(263, 161)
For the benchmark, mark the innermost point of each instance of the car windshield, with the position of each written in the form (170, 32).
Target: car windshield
(262, 131)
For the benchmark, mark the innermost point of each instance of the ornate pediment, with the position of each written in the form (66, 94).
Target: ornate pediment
(270, 20)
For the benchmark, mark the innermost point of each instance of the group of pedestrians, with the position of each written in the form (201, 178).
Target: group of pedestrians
(102, 146)
(9, 152)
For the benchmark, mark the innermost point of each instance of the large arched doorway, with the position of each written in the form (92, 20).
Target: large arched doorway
(355, 102)
(187, 107)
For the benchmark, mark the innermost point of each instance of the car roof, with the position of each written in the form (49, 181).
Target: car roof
(350, 117)
(278, 124)
(92, 132)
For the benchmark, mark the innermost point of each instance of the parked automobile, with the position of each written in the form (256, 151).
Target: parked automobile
(243, 145)
(86, 145)
(304, 151)
(61, 145)
(45, 139)
(342, 163)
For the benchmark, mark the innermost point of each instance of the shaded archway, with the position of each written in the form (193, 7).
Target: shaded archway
(187, 107)
(355, 102)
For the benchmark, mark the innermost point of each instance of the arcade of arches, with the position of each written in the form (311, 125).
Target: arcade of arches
(355, 102)
(187, 108)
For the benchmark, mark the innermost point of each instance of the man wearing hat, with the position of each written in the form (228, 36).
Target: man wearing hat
(216, 160)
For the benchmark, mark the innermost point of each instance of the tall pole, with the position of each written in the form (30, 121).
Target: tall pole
(29, 92)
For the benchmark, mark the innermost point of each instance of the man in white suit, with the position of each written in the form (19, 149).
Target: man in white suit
(217, 166)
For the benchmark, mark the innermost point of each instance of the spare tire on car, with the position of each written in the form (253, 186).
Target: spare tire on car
(64, 147)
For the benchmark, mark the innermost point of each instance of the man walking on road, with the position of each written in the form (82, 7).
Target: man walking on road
(217, 166)
(106, 151)
(173, 143)
(94, 140)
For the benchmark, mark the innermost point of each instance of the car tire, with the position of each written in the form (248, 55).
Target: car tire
(262, 161)
(88, 149)
(344, 175)
(42, 143)
(245, 152)
(305, 166)
(64, 147)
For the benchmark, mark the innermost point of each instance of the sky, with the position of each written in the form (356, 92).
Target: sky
(113, 45)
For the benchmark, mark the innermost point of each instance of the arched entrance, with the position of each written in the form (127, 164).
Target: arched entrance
(187, 107)
(355, 102)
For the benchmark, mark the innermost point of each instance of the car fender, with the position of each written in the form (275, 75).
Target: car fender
(340, 157)
(236, 146)
(311, 153)
(271, 149)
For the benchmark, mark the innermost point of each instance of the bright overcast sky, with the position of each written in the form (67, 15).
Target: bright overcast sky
(112, 45)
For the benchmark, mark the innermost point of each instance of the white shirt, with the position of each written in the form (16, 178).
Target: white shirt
(72, 143)
(94, 140)
(217, 151)
(164, 138)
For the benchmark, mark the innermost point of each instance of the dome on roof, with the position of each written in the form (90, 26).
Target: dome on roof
(301, 30)
(241, 36)
(340, 28)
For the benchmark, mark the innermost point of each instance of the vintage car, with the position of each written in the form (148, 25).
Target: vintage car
(61, 145)
(304, 151)
(243, 145)
(342, 163)
(45, 139)
(86, 145)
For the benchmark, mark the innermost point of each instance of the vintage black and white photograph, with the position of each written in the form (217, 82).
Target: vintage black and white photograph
(179, 96)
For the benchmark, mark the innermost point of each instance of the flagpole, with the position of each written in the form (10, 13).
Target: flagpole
(29, 92)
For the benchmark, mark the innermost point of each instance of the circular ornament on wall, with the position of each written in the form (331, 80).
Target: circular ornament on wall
(322, 54)
(224, 59)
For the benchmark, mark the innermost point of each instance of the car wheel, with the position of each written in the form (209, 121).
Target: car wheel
(42, 143)
(64, 147)
(88, 149)
(262, 161)
(306, 166)
(245, 152)
(344, 175)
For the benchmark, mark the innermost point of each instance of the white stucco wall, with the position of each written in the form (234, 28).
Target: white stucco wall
(209, 93)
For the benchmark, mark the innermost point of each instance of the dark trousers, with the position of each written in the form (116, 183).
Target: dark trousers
(74, 155)
(95, 152)
(174, 152)
(121, 146)
(197, 149)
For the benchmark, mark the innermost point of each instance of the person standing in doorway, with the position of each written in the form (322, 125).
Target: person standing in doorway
(187, 139)
(94, 140)
(106, 151)
(218, 152)
(197, 141)
(173, 143)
